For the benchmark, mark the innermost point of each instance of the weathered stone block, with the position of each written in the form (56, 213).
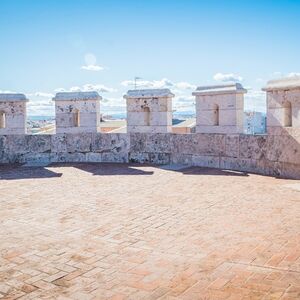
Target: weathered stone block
(59, 157)
(110, 142)
(238, 164)
(158, 142)
(182, 159)
(81, 142)
(232, 145)
(93, 157)
(42, 158)
(114, 157)
(209, 144)
(138, 157)
(183, 143)
(206, 161)
(137, 142)
(252, 146)
(39, 143)
(59, 142)
(16, 144)
(2, 142)
(284, 149)
(159, 158)
(75, 157)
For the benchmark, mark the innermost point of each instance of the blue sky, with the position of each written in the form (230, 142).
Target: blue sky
(48, 46)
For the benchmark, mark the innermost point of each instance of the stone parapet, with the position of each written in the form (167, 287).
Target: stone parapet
(276, 155)
(149, 110)
(12, 113)
(283, 105)
(77, 112)
(220, 108)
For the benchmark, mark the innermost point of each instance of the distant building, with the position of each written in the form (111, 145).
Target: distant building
(254, 122)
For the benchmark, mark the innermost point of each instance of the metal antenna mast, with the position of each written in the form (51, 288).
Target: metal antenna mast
(135, 81)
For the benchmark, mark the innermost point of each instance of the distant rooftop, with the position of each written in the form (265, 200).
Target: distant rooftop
(148, 93)
(6, 97)
(283, 84)
(186, 123)
(113, 123)
(65, 96)
(231, 88)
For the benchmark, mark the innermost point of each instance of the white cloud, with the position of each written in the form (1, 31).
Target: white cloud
(91, 63)
(255, 100)
(95, 68)
(97, 87)
(293, 74)
(113, 105)
(277, 74)
(45, 95)
(59, 90)
(158, 84)
(88, 88)
(40, 107)
(227, 77)
(185, 86)
(7, 92)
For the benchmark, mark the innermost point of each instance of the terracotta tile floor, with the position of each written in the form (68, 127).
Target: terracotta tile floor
(107, 231)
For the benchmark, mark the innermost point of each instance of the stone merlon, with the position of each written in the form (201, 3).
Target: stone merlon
(82, 96)
(10, 97)
(290, 83)
(232, 88)
(148, 93)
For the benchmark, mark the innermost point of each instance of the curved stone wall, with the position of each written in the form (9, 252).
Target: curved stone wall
(276, 155)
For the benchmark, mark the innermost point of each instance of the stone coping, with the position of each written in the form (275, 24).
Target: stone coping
(148, 93)
(11, 97)
(232, 88)
(78, 96)
(289, 83)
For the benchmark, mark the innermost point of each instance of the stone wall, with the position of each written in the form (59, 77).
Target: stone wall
(277, 155)
(81, 147)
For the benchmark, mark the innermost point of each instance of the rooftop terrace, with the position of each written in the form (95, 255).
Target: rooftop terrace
(113, 231)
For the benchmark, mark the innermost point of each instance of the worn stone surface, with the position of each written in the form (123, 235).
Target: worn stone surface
(284, 148)
(12, 113)
(39, 143)
(232, 146)
(77, 112)
(149, 111)
(283, 105)
(115, 231)
(253, 147)
(277, 155)
(81, 142)
(220, 109)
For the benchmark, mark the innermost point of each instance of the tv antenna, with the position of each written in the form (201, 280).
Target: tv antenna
(135, 81)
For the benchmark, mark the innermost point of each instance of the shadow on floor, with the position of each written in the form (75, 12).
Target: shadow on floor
(106, 169)
(13, 172)
(210, 171)
(17, 171)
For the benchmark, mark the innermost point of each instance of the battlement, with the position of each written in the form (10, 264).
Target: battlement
(231, 88)
(11, 97)
(77, 112)
(217, 143)
(149, 110)
(76, 96)
(290, 83)
(12, 113)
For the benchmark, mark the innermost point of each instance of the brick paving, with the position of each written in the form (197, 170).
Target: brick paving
(108, 231)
